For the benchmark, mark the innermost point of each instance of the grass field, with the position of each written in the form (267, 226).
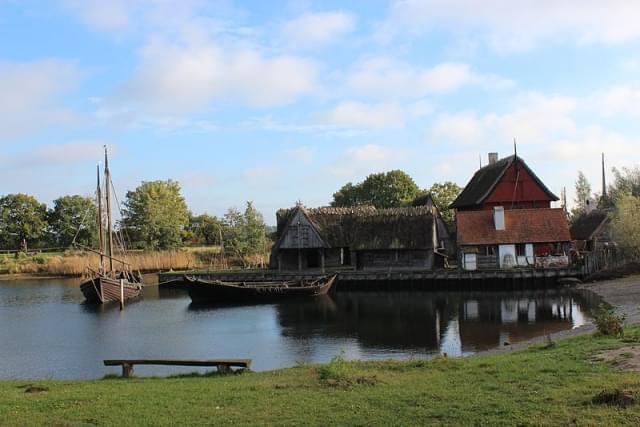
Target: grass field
(545, 385)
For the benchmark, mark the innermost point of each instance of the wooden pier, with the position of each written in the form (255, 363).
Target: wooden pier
(399, 279)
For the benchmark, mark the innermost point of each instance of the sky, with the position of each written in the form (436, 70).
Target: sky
(284, 101)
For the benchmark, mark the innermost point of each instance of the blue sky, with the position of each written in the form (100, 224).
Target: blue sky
(277, 102)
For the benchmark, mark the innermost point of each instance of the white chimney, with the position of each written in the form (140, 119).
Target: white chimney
(493, 157)
(498, 217)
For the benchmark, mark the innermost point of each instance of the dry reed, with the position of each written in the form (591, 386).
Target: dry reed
(75, 263)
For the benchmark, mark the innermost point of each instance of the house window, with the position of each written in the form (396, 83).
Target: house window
(520, 249)
(489, 250)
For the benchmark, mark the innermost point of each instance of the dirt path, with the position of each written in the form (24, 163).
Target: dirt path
(623, 294)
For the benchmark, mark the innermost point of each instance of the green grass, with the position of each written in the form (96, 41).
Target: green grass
(543, 385)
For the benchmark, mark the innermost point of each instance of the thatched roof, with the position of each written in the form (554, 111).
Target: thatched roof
(587, 225)
(486, 178)
(365, 227)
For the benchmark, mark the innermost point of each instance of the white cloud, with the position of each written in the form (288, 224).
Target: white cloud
(516, 25)
(387, 78)
(112, 15)
(534, 118)
(189, 75)
(362, 160)
(313, 30)
(58, 156)
(619, 100)
(30, 95)
(364, 116)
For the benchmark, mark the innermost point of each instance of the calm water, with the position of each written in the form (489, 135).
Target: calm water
(45, 331)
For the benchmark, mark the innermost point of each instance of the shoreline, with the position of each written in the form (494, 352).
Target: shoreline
(619, 293)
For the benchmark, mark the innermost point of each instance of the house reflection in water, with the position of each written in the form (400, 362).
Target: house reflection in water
(369, 324)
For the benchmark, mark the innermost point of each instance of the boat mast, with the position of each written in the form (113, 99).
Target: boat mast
(107, 178)
(99, 219)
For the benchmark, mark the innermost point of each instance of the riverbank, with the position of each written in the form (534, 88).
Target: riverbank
(545, 384)
(551, 382)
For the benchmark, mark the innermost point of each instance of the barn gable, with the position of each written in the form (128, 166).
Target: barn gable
(504, 182)
(300, 233)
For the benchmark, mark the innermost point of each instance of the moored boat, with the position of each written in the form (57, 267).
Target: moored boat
(100, 289)
(108, 283)
(214, 291)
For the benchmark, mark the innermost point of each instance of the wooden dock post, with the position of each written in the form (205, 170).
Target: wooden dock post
(122, 295)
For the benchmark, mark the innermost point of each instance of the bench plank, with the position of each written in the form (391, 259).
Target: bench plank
(223, 365)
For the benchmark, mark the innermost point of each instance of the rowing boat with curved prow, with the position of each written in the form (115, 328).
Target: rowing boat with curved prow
(214, 291)
(108, 283)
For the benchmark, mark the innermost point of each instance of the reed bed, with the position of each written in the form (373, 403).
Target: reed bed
(75, 263)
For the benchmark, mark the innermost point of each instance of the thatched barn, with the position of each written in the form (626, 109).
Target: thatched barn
(360, 237)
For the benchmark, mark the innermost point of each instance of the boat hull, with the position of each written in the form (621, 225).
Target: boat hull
(101, 290)
(203, 291)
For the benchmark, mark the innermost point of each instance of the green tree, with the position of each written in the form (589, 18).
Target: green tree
(626, 225)
(73, 216)
(206, 229)
(626, 183)
(443, 195)
(583, 195)
(156, 215)
(22, 219)
(245, 235)
(382, 190)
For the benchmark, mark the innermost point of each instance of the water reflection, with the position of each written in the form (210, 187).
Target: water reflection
(455, 323)
(46, 331)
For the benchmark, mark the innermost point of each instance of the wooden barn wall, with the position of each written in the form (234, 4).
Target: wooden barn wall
(528, 194)
(384, 259)
(310, 258)
(301, 234)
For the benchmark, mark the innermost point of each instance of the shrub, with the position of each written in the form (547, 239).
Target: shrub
(340, 373)
(608, 322)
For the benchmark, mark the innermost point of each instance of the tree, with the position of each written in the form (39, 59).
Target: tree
(583, 195)
(245, 233)
(626, 183)
(382, 190)
(156, 215)
(443, 195)
(626, 225)
(73, 216)
(22, 220)
(206, 229)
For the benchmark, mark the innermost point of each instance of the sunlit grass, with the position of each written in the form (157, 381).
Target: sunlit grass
(544, 385)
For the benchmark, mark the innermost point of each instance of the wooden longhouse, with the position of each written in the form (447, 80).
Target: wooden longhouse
(360, 238)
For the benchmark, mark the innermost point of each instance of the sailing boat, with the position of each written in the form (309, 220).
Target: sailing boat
(107, 283)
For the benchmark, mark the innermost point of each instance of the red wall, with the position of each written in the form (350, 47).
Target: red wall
(528, 193)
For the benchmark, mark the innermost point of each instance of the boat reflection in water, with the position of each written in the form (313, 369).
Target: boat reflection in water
(418, 323)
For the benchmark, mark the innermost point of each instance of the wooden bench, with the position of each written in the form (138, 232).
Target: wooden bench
(222, 365)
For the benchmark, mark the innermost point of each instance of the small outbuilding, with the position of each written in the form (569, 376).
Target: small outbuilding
(592, 231)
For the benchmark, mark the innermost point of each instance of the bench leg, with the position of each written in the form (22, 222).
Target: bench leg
(223, 369)
(127, 370)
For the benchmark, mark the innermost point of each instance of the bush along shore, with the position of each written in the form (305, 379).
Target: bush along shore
(584, 380)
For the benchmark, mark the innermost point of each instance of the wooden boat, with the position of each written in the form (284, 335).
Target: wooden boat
(100, 288)
(206, 291)
(108, 283)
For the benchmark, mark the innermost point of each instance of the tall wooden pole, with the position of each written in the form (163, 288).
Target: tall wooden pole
(107, 177)
(99, 220)
(604, 183)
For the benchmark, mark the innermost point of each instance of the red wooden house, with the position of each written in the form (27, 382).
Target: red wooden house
(504, 219)
(508, 182)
